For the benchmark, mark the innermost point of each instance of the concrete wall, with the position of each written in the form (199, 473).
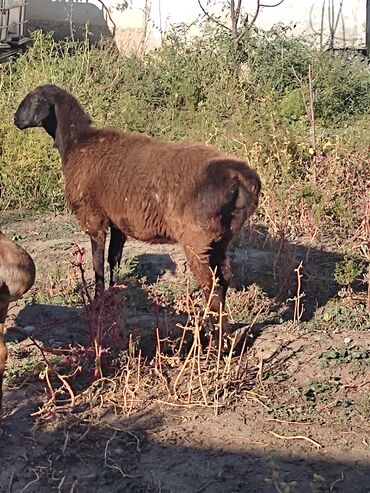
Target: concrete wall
(337, 22)
(67, 17)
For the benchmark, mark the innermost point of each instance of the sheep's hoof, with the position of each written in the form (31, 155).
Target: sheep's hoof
(210, 335)
(206, 334)
(241, 336)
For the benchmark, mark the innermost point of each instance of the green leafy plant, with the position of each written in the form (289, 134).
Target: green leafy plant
(320, 390)
(348, 270)
(334, 357)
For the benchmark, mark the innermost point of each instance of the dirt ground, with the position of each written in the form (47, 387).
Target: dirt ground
(300, 420)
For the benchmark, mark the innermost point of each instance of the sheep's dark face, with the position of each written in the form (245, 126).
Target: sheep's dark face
(54, 109)
(33, 111)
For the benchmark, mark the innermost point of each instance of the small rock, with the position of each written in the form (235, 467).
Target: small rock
(347, 340)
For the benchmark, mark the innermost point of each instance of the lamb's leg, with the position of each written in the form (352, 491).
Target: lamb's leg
(222, 267)
(3, 349)
(202, 265)
(116, 243)
(97, 249)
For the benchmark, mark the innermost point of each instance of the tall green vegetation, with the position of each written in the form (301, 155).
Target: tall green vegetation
(195, 89)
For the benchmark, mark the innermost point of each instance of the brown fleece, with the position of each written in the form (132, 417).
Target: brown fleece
(17, 275)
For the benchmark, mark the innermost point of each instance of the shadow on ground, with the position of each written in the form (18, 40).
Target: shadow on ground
(154, 266)
(270, 263)
(143, 454)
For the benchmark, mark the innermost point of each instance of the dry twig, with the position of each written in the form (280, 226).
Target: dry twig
(297, 437)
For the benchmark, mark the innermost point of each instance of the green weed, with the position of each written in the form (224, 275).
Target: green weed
(320, 390)
(339, 315)
(19, 370)
(348, 270)
(354, 354)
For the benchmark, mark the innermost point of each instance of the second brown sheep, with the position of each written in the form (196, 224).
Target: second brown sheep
(150, 190)
(17, 275)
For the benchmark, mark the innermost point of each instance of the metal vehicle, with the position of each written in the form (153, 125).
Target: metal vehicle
(13, 23)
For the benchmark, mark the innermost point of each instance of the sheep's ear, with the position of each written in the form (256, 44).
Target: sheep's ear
(32, 111)
(50, 122)
(58, 142)
(42, 112)
(255, 184)
(56, 118)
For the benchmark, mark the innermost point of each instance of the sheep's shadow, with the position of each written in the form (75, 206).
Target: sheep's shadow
(256, 258)
(59, 325)
(154, 266)
(53, 325)
(272, 264)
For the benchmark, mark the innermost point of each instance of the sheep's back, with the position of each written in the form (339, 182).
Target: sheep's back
(142, 185)
(17, 270)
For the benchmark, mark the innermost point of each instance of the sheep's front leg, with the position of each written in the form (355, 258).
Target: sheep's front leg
(116, 243)
(97, 249)
(3, 348)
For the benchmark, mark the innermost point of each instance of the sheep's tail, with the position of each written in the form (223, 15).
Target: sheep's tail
(243, 192)
(230, 192)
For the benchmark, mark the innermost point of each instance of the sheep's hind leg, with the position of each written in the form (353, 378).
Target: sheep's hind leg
(3, 349)
(221, 265)
(116, 243)
(202, 265)
(97, 249)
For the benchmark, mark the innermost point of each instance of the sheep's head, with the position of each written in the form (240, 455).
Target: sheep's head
(37, 110)
(54, 109)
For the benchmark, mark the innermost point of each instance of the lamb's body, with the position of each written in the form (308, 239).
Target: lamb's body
(151, 190)
(148, 189)
(17, 275)
(143, 201)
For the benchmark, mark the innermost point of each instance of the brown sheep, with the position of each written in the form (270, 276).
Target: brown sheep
(151, 190)
(17, 275)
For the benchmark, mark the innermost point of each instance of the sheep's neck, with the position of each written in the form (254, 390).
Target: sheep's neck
(72, 125)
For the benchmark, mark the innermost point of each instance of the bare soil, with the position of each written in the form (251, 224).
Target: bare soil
(301, 424)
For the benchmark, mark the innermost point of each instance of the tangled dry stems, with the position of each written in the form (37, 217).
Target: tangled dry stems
(184, 372)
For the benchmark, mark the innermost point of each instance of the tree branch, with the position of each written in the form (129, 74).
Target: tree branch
(212, 18)
(250, 24)
(234, 21)
(109, 16)
(275, 4)
(254, 18)
(235, 17)
(238, 7)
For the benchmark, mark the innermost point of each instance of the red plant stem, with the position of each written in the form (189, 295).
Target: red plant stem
(158, 356)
